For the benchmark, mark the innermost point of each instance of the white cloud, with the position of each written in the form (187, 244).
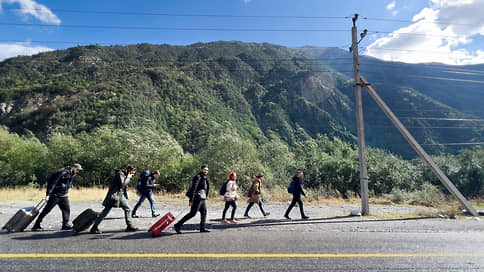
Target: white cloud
(391, 5)
(439, 33)
(32, 8)
(9, 50)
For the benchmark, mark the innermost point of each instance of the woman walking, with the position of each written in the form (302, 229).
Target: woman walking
(230, 198)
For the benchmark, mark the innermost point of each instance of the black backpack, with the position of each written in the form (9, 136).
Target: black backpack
(223, 189)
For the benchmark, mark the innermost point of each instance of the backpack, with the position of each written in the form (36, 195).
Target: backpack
(292, 187)
(142, 177)
(251, 190)
(223, 189)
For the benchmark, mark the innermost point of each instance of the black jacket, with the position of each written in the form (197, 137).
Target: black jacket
(59, 186)
(199, 182)
(298, 190)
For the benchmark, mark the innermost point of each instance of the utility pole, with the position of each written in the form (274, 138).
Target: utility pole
(365, 209)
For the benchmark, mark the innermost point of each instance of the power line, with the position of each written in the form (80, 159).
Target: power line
(411, 21)
(465, 143)
(173, 28)
(184, 14)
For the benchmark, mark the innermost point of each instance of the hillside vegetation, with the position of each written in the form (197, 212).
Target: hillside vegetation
(236, 106)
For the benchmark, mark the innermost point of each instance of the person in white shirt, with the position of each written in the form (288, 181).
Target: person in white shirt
(230, 198)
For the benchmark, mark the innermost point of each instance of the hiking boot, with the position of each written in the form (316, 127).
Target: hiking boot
(155, 215)
(204, 230)
(36, 228)
(177, 229)
(130, 227)
(95, 231)
(66, 227)
(224, 221)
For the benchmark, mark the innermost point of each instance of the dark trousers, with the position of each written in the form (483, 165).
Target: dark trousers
(197, 205)
(295, 200)
(227, 206)
(63, 203)
(261, 206)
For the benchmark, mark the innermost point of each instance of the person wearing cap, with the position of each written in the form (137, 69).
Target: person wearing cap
(145, 188)
(254, 195)
(57, 194)
(115, 198)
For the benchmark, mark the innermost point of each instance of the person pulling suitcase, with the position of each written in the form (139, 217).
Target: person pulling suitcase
(57, 194)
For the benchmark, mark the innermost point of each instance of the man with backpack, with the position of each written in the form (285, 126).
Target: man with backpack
(197, 195)
(146, 183)
(58, 187)
(295, 188)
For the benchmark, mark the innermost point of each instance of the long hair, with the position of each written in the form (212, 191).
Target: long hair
(232, 174)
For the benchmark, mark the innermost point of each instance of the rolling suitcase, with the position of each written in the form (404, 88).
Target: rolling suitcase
(84, 220)
(161, 224)
(23, 217)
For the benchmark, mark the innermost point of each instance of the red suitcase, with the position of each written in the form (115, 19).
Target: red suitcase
(162, 224)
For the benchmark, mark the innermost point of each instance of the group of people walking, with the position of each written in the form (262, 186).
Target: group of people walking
(116, 197)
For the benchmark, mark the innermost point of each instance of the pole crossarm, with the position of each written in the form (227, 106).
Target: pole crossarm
(417, 147)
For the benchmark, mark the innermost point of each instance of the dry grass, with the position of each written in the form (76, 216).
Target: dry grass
(278, 194)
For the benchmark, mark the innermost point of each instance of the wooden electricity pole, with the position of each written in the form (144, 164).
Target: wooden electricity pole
(365, 208)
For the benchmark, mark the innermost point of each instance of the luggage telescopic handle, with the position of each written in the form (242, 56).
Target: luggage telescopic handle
(41, 204)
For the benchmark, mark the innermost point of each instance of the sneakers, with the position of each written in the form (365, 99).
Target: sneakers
(36, 228)
(155, 215)
(95, 231)
(267, 214)
(224, 221)
(304, 217)
(287, 217)
(134, 216)
(66, 227)
(204, 230)
(177, 229)
(234, 221)
(130, 227)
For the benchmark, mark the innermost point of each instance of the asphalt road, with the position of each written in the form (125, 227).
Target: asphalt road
(329, 241)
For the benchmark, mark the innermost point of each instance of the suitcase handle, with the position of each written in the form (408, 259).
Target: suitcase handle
(41, 204)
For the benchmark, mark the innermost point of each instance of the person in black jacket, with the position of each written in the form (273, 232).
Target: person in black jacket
(296, 196)
(197, 194)
(145, 188)
(57, 190)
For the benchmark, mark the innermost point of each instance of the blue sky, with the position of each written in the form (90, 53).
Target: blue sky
(448, 31)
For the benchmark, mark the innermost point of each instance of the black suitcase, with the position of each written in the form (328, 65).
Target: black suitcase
(23, 217)
(84, 220)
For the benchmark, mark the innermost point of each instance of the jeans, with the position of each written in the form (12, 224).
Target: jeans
(145, 194)
(261, 206)
(232, 203)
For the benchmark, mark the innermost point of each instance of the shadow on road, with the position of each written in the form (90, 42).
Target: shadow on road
(46, 235)
(326, 220)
